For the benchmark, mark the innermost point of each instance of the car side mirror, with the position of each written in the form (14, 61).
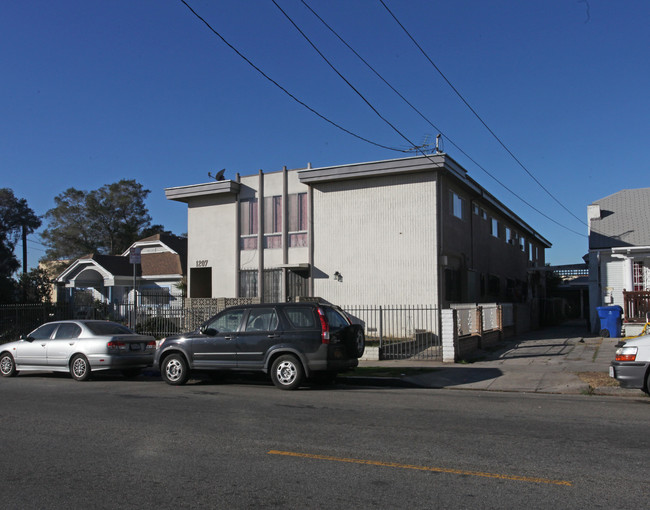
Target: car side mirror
(26, 338)
(208, 331)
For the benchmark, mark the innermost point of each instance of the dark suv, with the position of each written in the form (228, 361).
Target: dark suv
(290, 341)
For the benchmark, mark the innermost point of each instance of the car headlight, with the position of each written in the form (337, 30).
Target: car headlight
(626, 354)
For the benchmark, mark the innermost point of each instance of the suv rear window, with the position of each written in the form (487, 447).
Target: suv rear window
(301, 318)
(335, 319)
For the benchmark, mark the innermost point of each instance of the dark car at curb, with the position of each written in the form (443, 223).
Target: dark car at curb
(292, 342)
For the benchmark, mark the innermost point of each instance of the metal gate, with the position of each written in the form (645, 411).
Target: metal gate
(401, 332)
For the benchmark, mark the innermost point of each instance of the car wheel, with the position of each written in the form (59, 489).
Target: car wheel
(80, 368)
(7, 365)
(287, 372)
(174, 370)
(131, 373)
(646, 388)
(360, 341)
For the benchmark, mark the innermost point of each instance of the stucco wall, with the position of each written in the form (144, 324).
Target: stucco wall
(379, 234)
(211, 240)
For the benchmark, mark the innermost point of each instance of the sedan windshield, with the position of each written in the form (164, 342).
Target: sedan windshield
(108, 328)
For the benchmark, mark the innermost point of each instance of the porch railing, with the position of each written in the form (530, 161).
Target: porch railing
(636, 305)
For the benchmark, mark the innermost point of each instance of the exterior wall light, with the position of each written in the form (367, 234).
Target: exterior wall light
(338, 276)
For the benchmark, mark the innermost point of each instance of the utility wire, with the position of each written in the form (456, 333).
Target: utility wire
(352, 86)
(249, 62)
(431, 123)
(478, 116)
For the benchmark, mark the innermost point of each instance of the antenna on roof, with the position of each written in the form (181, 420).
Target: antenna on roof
(219, 176)
(425, 147)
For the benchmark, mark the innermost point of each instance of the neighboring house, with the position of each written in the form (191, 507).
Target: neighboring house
(109, 278)
(619, 254)
(407, 231)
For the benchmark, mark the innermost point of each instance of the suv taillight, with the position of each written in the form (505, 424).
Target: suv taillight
(151, 346)
(324, 327)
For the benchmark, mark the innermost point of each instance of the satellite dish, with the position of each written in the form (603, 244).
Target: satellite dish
(219, 176)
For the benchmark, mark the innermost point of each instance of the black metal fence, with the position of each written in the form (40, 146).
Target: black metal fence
(401, 332)
(398, 331)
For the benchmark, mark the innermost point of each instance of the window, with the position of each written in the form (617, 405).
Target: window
(495, 227)
(335, 319)
(262, 319)
(67, 330)
(522, 243)
(248, 224)
(301, 318)
(155, 296)
(44, 332)
(456, 204)
(273, 222)
(227, 322)
(298, 219)
(248, 283)
(509, 235)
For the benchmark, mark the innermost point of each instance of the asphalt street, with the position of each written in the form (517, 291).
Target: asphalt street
(115, 443)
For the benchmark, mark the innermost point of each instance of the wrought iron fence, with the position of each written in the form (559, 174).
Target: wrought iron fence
(156, 320)
(400, 332)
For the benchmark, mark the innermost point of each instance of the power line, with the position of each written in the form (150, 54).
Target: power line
(249, 62)
(431, 123)
(343, 77)
(478, 116)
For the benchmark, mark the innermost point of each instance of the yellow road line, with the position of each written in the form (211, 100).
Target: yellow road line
(422, 468)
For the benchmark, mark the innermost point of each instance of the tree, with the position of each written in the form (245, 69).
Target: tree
(15, 217)
(107, 220)
(35, 286)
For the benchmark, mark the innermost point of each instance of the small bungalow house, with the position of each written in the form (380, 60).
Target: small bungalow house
(619, 256)
(159, 276)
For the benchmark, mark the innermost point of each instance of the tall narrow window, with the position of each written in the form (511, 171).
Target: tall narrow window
(495, 227)
(273, 222)
(456, 204)
(298, 219)
(248, 224)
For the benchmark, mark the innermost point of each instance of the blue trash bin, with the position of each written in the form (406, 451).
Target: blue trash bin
(611, 319)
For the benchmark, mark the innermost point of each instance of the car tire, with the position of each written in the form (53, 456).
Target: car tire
(174, 370)
(646, 388)
(80, 368)
(7, 365)
(360, 342)
(287, 372)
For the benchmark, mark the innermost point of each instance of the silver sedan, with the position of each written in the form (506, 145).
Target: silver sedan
(78, 347)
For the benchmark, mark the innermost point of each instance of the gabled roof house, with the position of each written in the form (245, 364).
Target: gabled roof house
(109, 278)
(619, 254)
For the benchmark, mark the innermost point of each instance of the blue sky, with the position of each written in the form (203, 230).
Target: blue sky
(96, 91)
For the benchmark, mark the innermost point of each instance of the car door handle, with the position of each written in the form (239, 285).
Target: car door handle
(72, 343)
(43, 345)
(273, 336)
(227, 338)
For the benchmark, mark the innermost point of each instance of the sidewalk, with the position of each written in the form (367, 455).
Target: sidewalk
(560, 359)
